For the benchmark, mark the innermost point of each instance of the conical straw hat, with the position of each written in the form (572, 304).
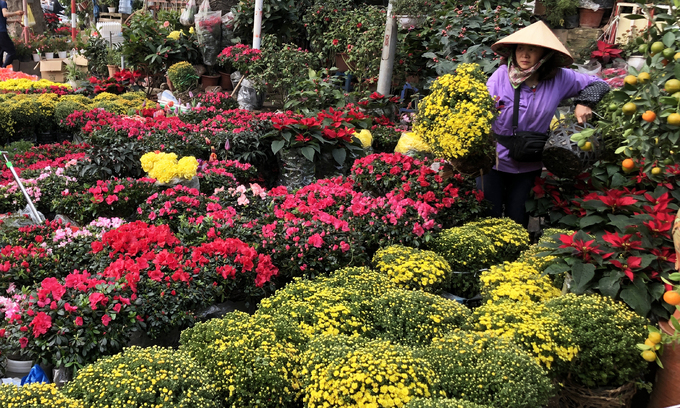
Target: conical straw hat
(536, 34)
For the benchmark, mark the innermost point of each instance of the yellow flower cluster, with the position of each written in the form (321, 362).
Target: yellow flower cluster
(165, 166)
(537, 330)
(253, 361)
(365, 137)
(174, 35)
(25, 84)
(35, 395)
(455, 119)
(414, 318)
(379, 374)
(509, 237)
(411, 143)
(517, 281)
(413, 268)
(153, 377)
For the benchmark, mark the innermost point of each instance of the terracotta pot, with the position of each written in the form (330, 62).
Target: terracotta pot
(225, 82)
(590, 18)
(340, 62)
(209, 80)
(113, 69)
(666, 391)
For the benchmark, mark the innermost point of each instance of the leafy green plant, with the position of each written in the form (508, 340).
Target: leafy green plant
(412, 7)
(113, 56)
(112, 154)
(558, 10)
(321, 90)
(96, 52)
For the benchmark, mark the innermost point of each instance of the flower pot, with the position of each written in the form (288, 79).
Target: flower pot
(295, 171)
(112, 9)
(225, 82)
(36, 57)
(49, 55)
(574, 395)
(113, 69)
(571, 21)
(209, 80)
(590, 18)
(666, 391)
(636, 61)
(341, 62)
(62, 54)
(61, 375)
(407, 22)
(18, 368)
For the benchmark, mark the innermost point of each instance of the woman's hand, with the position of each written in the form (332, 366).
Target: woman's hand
(583, 114)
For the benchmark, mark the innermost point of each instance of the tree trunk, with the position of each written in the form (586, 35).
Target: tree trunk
(38, 28)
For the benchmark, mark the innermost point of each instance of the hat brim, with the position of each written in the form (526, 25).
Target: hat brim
(537, 34)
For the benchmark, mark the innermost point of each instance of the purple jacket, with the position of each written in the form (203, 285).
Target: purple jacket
(536, 108)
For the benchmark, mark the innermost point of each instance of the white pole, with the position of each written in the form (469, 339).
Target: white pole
(24, 5)
(388, 53)
(257, 29)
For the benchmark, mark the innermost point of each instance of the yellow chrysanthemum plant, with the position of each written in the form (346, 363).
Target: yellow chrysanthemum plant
(455, 119)
(412, 268)
(166, 169)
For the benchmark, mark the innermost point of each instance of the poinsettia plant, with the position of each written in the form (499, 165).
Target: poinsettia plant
(606, 52)
(622, 246)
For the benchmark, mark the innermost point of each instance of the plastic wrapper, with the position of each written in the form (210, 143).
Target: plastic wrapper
(328, 167)
(65, 220)
(36, 375)
(188, 14)
(194, 182)
(248, 98)
(209, 32)
(227, 30)
(592, 67)
(295, 170)
(61, 375)
(216, 311)
(589, 4)
(410, 143)
(20, 219)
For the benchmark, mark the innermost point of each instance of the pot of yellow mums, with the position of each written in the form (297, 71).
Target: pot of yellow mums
(455, 120)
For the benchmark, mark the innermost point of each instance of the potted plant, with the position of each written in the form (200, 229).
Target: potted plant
(24, 51)
(74, 74)
(113, 61)
(559, 11)
(60, 45)
(182, 76)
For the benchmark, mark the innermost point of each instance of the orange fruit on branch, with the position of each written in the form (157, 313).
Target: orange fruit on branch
(649, 116)
(654, 337)
(644, 77)
(674, 119)
(657, 47)
(629, 108)
(672, 86)
(649, 355)
(628, 164)
(630, 80)
(672, 297)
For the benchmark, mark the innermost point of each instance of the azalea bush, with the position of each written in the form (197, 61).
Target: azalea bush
(168, 205)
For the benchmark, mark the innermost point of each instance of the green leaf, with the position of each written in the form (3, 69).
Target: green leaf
(590, 220)
(308, 152)
(277, 145)
(610, 285)
(620, 221)
(556, 269)
(583, 275)
(668, 39)
(637, 298)
(339, 155)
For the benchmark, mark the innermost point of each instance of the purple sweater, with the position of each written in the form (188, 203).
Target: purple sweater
(536, 108)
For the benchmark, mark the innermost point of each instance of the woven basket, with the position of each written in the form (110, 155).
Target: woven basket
(563, 157)
(576, 396)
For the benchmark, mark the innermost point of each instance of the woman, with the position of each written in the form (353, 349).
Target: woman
(535, 57)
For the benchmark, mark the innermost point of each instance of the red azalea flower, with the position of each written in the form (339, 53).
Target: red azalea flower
(41, 323)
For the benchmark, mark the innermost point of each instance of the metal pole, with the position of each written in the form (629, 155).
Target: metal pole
(25, 30)
(388, 53)
(257, 29)
(73, 20)
(34, 213)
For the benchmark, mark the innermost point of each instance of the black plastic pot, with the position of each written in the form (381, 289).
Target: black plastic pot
(563, 157)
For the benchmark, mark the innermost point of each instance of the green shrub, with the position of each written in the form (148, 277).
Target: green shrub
(144, 377)
(183, 76)
(413, 268)
(606, 331)
(251, 360)
(413, 317)
(487, 370)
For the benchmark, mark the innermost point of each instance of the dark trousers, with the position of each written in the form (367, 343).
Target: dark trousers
(6, 45)
(508, 193)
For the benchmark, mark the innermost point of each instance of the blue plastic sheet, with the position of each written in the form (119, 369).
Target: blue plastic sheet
(36, 375)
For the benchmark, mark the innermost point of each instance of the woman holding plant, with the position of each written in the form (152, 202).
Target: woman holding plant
(533, 73)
